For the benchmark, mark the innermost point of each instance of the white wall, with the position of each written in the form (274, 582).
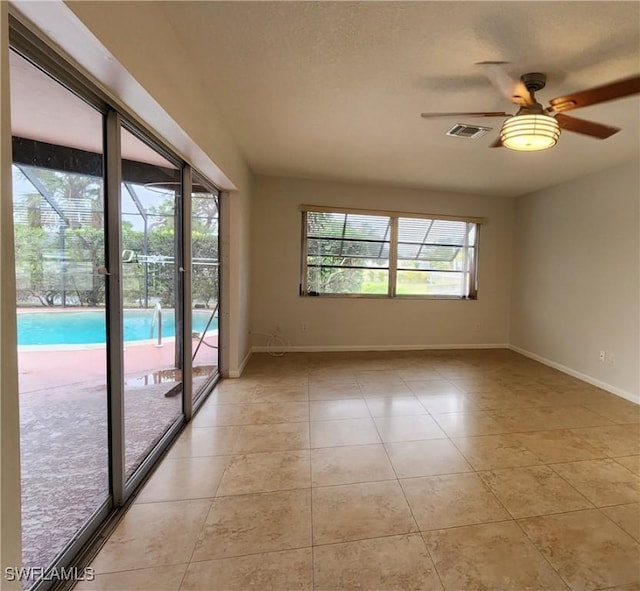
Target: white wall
(576, 276)
(9, 418)
(361, 323)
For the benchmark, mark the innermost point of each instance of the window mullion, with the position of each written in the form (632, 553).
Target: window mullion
(393, 256)
(473, 271)
(465, 264)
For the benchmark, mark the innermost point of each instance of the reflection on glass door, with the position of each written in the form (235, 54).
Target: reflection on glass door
(59, 249)
(150, 291)
(205, 283)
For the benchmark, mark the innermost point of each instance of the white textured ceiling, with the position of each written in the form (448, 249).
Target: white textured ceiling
(334, 89)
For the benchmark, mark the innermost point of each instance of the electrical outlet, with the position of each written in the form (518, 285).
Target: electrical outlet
(603, 355)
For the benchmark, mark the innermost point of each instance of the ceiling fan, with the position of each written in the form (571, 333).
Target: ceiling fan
(535, 127)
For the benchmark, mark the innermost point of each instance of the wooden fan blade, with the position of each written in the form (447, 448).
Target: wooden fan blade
(599, 94)
(590, 128)
(496, 144)
(514, 90)
(485, 114)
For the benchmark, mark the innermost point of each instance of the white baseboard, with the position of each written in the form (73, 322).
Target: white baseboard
(577, 374)
(337, 348)
(236, 373)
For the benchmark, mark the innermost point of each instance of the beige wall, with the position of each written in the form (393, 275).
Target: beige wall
(576, 276)
(361, 323)
(9, 419)
(235, 284)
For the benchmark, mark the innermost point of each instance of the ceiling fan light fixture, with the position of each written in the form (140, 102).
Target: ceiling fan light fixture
(529, 133)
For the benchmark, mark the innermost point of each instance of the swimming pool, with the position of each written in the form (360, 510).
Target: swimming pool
(76, 327)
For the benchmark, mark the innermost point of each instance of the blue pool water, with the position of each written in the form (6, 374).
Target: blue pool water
(88, 327)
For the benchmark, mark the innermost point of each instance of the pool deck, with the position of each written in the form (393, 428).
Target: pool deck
(48, 367)
(63, 424)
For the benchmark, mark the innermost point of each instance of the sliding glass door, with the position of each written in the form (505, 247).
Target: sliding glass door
(59, 232)
(150, 297)
(117, 272)
(205, 283)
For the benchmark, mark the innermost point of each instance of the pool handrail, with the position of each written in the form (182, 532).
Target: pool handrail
(157, 316)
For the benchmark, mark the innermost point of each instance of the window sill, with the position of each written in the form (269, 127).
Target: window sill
(387, 297)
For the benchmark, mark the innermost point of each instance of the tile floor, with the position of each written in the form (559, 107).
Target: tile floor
(453, 470)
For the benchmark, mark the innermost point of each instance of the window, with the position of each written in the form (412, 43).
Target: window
(388, 254)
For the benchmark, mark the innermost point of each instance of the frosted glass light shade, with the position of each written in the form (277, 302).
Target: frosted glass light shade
(528, 133)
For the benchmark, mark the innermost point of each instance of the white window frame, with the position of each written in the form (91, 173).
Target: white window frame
(394, 216)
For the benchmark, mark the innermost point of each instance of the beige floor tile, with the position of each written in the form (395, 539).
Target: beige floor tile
(350, 464)
(576, 393)
(417, 373)
(160, 578)
(234, 385)
(331, 375)
(196, 442)
(398, 406)
(621, 411)
(587, 549)
(467, 424)
(490, 556)
(249, 524)
(499, 399)
(408, 428)
(536, 490)
(264, 472)
(514, 420)
(569, 417)
(280, 395)
(184, 478)
(451, 500)
(475, 386)
(603, 482)
(560, 445)
(629, 587)
(272, 571)
(252, 414)
(233, 396)
(426, 458)
(539, 418)
(334, 391)
(616, 440)
(631, 463)
(385, 390)
(278, 437)
(437, 386)
(627, 517)
(358, 511)
(379, 376)
(327, 410)
(489, 452)
(291, 377)
(153, 534)
(343, 432)
(443, 403)
(397, 563)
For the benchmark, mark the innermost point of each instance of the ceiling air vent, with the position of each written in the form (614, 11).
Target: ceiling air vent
(468, 131)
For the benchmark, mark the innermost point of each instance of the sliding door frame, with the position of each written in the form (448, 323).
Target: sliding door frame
(36, 50)
(115, 330)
